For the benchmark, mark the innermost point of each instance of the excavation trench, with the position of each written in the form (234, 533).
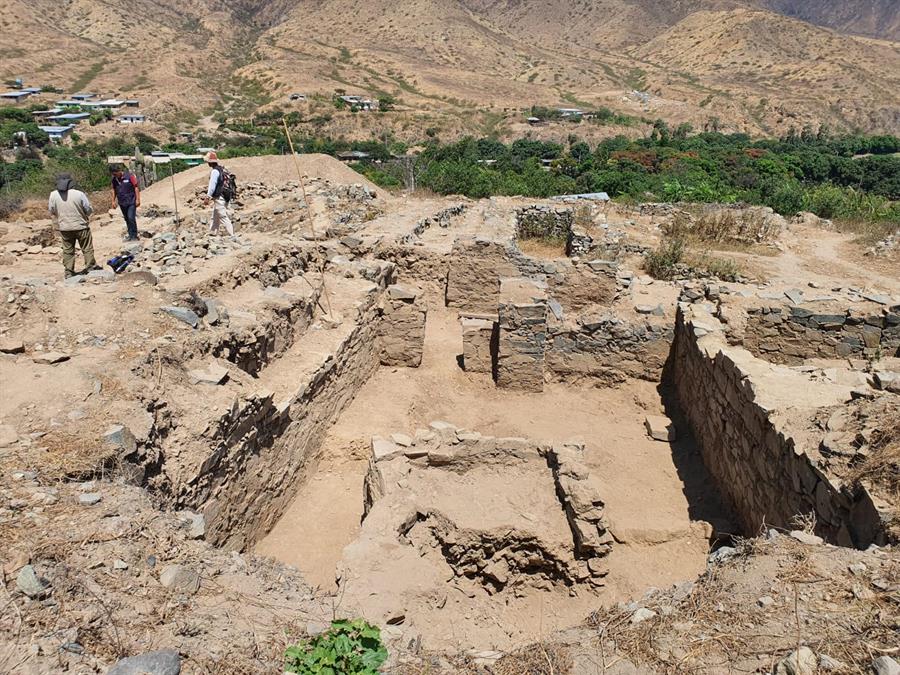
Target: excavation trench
(462, 548)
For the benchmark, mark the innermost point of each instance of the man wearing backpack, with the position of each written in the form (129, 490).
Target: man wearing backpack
(127, 196)
(219, 193)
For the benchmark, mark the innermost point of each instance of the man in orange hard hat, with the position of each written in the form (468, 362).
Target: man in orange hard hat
(217, 192)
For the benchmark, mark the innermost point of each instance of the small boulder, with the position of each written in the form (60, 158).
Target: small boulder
(90, 498)
(403, 293)
(801, 662)
(885, 665)
(642, 614)
(384, 449)
(179, 578)
(163, 662)
(214, 374)
(10, 345)
(660, 428)
(806, 538)
(29, 583)
(182, 314)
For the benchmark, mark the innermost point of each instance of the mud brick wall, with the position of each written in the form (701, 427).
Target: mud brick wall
(609, 348)
(789, 334)
(757, 466)
(544, 222)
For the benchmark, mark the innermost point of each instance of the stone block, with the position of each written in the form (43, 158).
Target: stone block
(660, 428)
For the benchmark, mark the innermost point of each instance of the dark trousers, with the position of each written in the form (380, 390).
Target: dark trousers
(85, 243)
(130, 213)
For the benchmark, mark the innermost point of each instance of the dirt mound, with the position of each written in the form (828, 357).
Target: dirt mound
(269, 169)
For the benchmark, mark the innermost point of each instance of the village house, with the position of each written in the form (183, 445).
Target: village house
(570, 112)
(359, 102)
(57, 133)
(69, 118)
(131, 119)
(15, 96)
(46, 113)
(353, 156)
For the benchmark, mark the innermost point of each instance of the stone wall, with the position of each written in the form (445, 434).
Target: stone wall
(544, 222)
(475, 268)
(791, 333)
(242, 470)
(401, 329)
(758, 466)
(610, 348)
(523, 335)
(480, 346)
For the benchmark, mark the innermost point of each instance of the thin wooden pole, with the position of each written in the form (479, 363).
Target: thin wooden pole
(287, 132)
(174, 194)
(309, 214)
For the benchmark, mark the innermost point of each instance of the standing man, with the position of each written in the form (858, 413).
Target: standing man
(71, 212)
(214, 194)
(127, 196)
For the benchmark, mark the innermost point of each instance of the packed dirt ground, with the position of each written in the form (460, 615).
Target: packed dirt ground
(481, 425)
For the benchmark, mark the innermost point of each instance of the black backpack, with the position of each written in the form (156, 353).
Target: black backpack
(227, 188)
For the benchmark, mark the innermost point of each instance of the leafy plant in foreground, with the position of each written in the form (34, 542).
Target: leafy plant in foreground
(347, 648)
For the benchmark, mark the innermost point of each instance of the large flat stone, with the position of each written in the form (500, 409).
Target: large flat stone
(50, 358)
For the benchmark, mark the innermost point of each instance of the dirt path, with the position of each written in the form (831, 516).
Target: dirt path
(822, 257)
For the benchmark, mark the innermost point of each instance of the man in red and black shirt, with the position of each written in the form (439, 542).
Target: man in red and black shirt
(127, 196)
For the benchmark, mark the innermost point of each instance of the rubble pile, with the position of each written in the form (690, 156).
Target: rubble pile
(886, 246)
(172, 253)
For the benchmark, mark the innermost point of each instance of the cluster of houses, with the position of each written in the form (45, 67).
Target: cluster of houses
(60, 120)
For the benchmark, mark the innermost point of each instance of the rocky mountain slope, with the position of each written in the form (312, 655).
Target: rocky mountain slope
(745, 63)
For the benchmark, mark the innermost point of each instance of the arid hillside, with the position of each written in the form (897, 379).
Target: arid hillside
(698, 61)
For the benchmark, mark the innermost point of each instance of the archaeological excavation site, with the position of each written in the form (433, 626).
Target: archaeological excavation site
(482, 426)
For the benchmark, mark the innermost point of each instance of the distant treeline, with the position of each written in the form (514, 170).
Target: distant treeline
(836, 176)
(833, 176)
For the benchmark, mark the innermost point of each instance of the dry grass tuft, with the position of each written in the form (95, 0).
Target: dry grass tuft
(545, 249)
(76, 456)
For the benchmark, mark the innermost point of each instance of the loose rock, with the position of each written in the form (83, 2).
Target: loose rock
(163, 662)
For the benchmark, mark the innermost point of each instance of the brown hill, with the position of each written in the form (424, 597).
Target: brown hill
(876, 18)
(458, 64)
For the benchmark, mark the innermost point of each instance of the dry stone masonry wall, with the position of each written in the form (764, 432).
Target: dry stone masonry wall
(523, 335)
(759, 467)
(791, 333)
(544, 222)
(242, 469)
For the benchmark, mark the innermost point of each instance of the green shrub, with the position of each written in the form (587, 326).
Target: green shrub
(661, 263)
(347, 648)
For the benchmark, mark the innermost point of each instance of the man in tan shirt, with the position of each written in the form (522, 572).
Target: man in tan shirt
(71, 212)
